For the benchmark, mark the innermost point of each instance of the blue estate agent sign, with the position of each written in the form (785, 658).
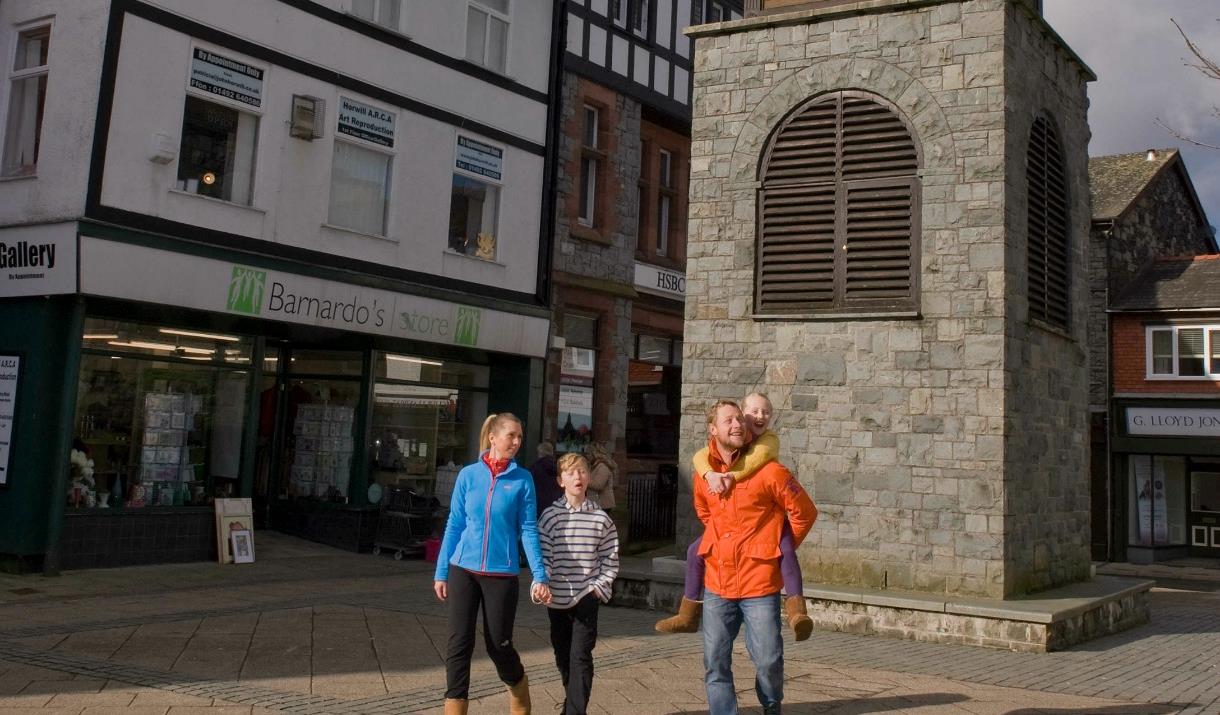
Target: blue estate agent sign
(366, 122)
(226, 77)
(479, 158)
(10, 368)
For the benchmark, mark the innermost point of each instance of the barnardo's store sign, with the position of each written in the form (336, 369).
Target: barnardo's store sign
(166, 277)
(1173, 421)
(38, 260)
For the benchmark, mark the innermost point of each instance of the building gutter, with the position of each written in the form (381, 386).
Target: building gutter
(550, 169)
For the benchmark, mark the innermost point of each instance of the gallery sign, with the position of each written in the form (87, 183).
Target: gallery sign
(1173, 421)
(480, 158)
(226, 77)
(366, 122)
(661, 281)
(166, 277)
(38, 260)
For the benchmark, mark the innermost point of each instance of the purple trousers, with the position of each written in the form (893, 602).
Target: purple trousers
(789, 568)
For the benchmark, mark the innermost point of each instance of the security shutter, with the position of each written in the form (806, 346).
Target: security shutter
(837, 225)
(1048, 226)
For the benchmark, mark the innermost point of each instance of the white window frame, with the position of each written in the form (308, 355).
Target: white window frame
(506, 18)
(621, 13)
(391, 152)
(500, 187)
(16, 75)
(1211, 373)
(640, 19)
(587, 214)
(377, 10)
(241, 107)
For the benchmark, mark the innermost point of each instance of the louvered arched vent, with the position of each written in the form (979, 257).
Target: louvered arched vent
(838, 210)
(1048, 226)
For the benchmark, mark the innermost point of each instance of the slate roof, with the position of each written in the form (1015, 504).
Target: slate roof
(1116, 181)
(1174, 284)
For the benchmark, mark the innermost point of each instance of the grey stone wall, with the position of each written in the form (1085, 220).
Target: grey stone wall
(1046, 484)
(1163, 222)
(900, 429)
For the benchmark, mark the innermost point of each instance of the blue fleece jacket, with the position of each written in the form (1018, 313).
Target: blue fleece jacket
(486, 516)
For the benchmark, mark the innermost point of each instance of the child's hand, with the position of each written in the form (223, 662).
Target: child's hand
(726, 481)
(540, 593)
(715, 481)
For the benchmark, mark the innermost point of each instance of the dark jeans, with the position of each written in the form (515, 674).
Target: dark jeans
(496, 596)
(789, 567)
(573, 635)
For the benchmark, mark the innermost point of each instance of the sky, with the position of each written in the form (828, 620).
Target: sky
(1139, 59)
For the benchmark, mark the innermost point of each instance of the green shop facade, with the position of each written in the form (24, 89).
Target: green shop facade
(142, 377)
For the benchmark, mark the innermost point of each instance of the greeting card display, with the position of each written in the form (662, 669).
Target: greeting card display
(322, 458)
(164, 455)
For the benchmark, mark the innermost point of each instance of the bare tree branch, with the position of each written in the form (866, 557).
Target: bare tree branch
(1182, 136)
(1209, 67)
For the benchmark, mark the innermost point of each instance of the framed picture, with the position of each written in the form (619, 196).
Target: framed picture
(232, 515)
(242, 543)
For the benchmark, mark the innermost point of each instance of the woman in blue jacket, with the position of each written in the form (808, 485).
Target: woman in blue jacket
(493, 505)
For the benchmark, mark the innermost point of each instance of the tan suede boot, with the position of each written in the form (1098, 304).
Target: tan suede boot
(519, 697)
(798, 618)
(456, 706)
(687, 620)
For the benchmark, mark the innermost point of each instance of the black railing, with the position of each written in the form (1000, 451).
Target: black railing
(652, 500)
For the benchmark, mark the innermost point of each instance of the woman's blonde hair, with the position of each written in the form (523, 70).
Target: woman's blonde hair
(492, 424)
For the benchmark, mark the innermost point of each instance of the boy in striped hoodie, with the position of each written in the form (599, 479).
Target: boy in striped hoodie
(580, 551)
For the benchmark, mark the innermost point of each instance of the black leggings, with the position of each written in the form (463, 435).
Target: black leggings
(497, 595)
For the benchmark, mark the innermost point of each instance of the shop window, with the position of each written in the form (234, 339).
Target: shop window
(386, 13)
(654, 349)
(359, 188)
(1183, 352)
(590, 159)
(27, 95)
(1157, 492)
(578, 369)
(216, 158)
(160, 415)
(838, 210)
(422, 434)
(473, 208)
(487, 33)
(1205, 492)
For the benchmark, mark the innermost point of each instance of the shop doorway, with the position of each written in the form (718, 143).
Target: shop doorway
(1205, 509)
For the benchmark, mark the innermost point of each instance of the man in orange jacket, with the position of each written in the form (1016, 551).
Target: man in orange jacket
(741, 546)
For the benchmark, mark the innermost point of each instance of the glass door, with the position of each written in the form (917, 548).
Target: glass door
(1205, 510)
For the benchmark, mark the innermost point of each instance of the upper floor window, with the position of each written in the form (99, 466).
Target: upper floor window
(27, 96)
(474, 203)
(1187, 352)
(387, 13)
(362, 168)
(487, 33)
(665, 200)
(639, 16)
(220, 119)
(1047, 244)
(716, 12)
(590, 158)
(631, 14)
(838, 211)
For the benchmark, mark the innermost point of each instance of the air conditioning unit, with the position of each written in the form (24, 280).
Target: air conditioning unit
(308, 117)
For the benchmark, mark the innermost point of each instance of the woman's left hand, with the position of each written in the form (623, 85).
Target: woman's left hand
(540, 593)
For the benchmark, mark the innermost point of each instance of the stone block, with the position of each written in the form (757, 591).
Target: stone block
(821, 370)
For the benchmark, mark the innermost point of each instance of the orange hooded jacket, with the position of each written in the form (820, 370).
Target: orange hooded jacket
(743, 527)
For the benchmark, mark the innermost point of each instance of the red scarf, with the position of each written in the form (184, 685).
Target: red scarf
(497, 466)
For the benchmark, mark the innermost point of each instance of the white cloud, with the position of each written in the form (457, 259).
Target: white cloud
(1139, 59)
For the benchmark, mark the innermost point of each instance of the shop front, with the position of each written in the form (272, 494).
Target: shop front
(169, 379)
(1166, 459)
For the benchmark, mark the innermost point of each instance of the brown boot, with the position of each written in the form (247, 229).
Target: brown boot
(519, 697)
(456, 706)
(798, 618)
(687, 620)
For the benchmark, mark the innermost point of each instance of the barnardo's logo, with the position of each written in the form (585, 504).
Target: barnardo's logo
(467, 330)
(246, 288)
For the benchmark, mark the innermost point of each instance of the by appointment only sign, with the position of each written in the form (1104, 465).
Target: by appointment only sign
(166, 277)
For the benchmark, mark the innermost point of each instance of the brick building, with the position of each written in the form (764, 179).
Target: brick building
(1144, 207)
(1165, 411)
(620, 241)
